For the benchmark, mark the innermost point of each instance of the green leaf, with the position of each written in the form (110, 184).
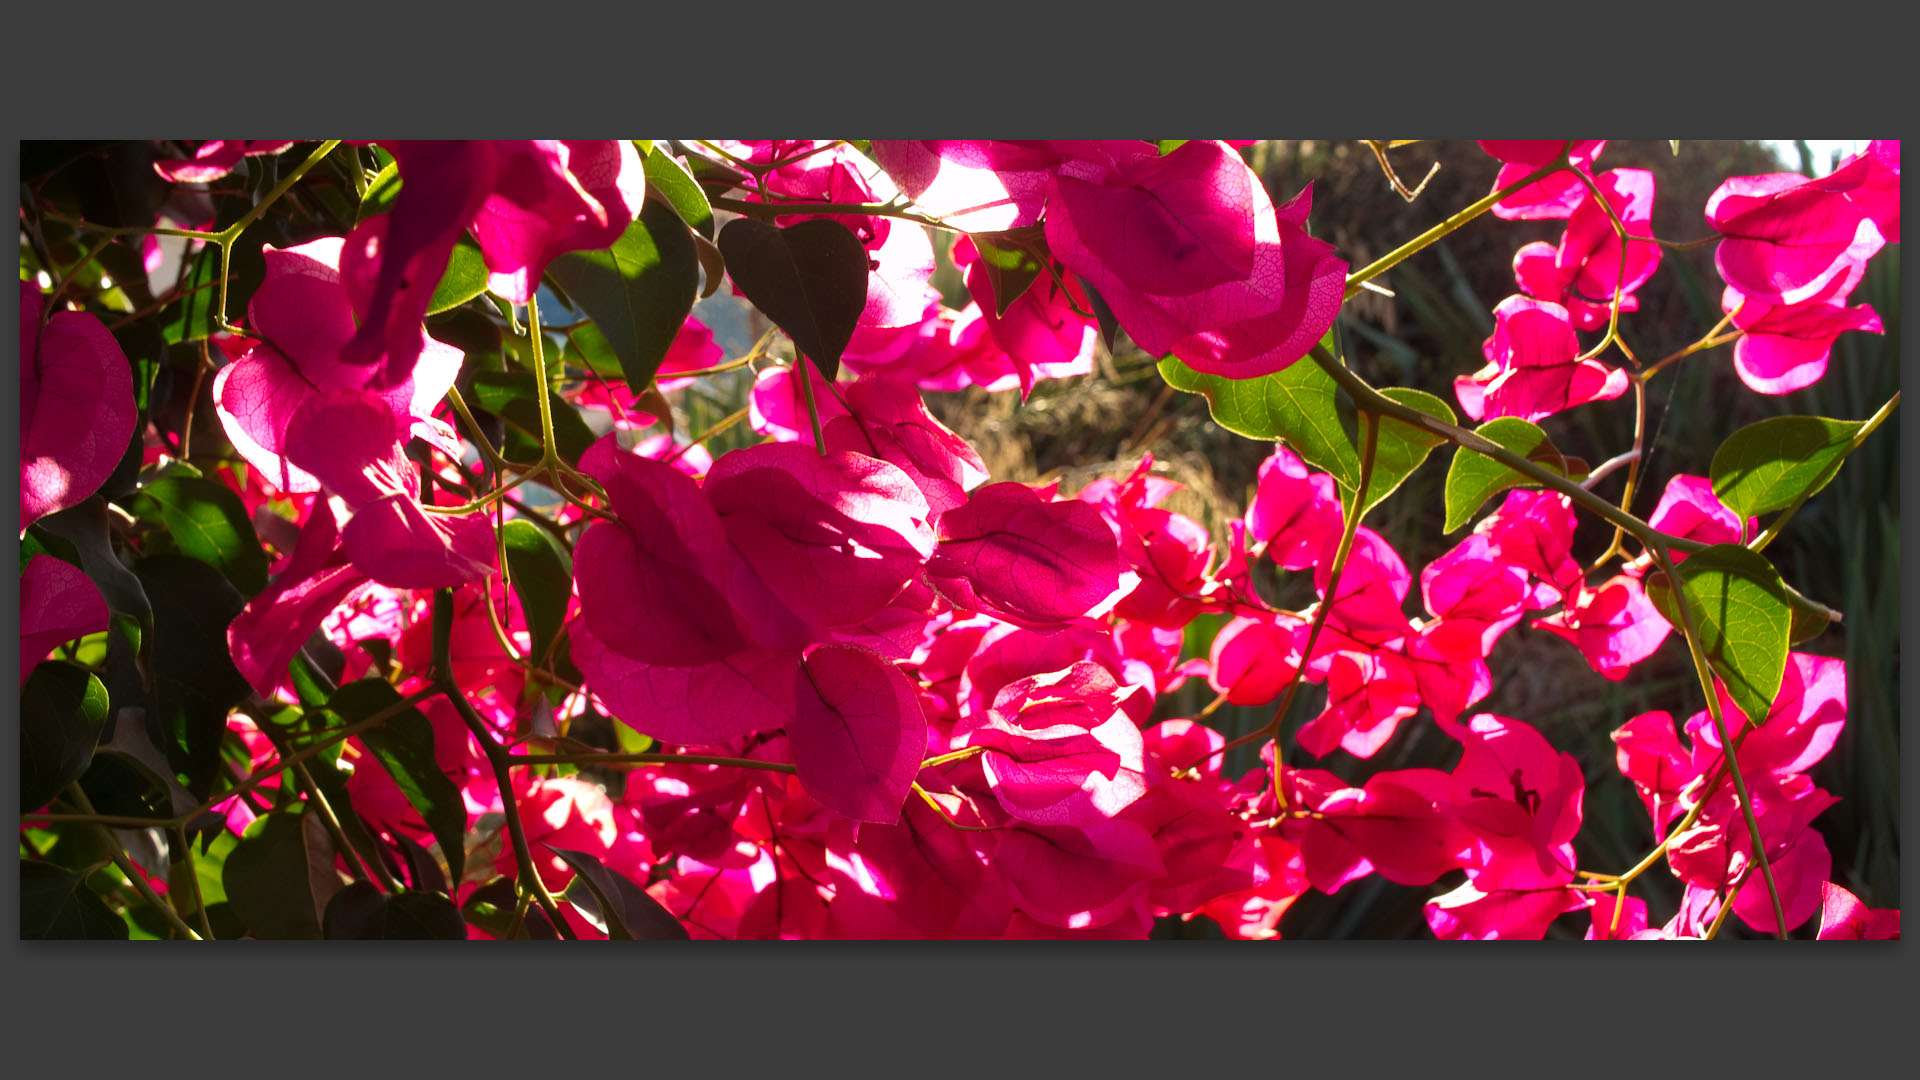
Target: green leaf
(1103, 315)
(638, 292)
(207, 521)
(466, 278)
(617, 905)
(63, 709)
(1771, 465)
(671, 180)
(809, 278)
(403, 745)
(490, 907)
(1473, 478)
(1168, 146)
(382, 190)
(1741, 611)
(280, 876)
(194, 317)
(1401, 447)
(194, 681)
(360, 912)
(56, 905)
(543, 577)
(1011, 260)
(509, 395)
(1295, 404)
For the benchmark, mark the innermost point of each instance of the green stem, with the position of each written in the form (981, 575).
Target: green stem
(1473, 210)
(178, 835)
(806, 390)
(1366, 398)
(1731, 757)
(497, 757)
(132, 873)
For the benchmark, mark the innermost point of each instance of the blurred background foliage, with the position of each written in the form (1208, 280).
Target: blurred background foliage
(1842, 548)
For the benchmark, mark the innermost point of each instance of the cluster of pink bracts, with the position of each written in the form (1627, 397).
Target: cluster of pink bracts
(861, 607)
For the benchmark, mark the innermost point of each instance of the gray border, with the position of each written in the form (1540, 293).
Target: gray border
(1104, 73)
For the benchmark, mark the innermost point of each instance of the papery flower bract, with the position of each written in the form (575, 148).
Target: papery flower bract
(350, 441)
(1787, 236)
(1060, 750)
(1614, 626)
(1844, 918)
(1254, 658)
(1513, 790)
(1011, 552)
(1554, 196)
(58, 603)
(1582, 272)
(1689, 509)
(1194, 260)
(1294, 511)
(274, 626)
(857, 733)
(1533, 367)
(1785, 347)
(304, 319)
(77, 411)
(214, 159)
(834, 537)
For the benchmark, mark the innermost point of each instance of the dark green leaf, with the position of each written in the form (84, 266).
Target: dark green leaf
(1296, 404)
(466, 278)
(56, 905)
(543, 578)
(1771, 465)
(403, 746)
(713, 265)
(1473, 478)
(1103, 315)
(63, 709)
(280, 876)
(509, 395)
(1012, 261)
(671, 180)
(610, 900)
(638, 292)
(809, 278)
(207, 521)
(360, 912)
(1741, 611)
(381, 192)
(194, 681)
(491, 908)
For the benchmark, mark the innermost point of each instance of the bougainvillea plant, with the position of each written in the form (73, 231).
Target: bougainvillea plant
(372, 586)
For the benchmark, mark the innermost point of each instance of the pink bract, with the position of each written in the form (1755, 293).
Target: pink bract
(57, 604)
(1012, 553)
(1787, 236)
(1229, 285)
(1533, 367)
(305, 319)
(76, 406)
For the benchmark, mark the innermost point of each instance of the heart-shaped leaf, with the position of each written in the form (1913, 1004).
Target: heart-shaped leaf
(1771, 465)
(1743, 616)
(639, 291)
(206, 520)
(56, 905)
(1295, 405)
(360, 912)
(404, 747)
(1473, 478)
(624, 909)
(280, 877)
(1401, 447)
(809, 278)
(542, 576)
(1012, 260)
(62, 711)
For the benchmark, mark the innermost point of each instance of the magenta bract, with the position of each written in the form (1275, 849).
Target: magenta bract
(76, 406)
